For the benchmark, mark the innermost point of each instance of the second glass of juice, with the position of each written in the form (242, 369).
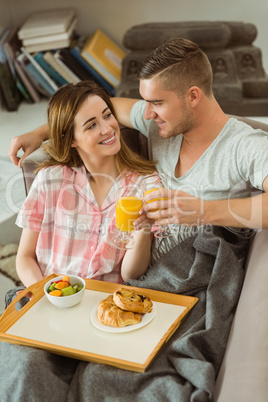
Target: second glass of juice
(149, 184)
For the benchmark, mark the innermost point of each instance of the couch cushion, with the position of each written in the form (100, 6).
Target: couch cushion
(243, 376)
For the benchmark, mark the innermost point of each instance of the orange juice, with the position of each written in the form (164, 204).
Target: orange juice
(155, 199)
(127, 211)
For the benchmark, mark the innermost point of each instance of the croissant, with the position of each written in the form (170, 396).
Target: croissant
(110, 314)
(129, 300)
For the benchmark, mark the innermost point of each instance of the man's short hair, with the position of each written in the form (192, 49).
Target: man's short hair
(179, 64)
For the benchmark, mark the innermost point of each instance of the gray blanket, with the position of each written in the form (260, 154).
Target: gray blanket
(207, 265)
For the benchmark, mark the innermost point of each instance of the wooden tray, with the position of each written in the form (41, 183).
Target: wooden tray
(70, 332)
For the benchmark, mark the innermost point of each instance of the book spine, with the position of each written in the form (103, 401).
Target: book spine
(58, 78)
(49, 38)
(23, 62)
(50, 59)
(27, 82)
(9, 88)
(47, 46)
(74, 65)
(19, 84)
(100, 68)
(11, 48)
(75, 51)
(16, 78)
(73, 77)
(23, 90)
(34, 76)
(8, 84)
(51, 86)
(44, 22)
(39, 81)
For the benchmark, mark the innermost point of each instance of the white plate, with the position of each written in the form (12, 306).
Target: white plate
(146, 318)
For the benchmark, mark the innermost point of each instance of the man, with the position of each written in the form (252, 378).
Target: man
(215, 164)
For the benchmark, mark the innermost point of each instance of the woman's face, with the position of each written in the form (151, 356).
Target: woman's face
(96, 131)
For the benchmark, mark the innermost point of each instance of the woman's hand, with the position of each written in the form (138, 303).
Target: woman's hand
(143, 222)
(29, 294)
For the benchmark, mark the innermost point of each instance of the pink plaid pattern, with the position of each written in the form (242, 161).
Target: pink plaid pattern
(72, 228)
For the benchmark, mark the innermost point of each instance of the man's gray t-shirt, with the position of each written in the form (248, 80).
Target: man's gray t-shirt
(233, 166)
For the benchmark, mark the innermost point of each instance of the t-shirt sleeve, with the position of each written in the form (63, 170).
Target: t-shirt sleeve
(253, 158)
(137, 118)
(32, 211)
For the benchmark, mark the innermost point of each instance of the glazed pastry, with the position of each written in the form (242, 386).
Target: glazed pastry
(129, 300)
(110, 314)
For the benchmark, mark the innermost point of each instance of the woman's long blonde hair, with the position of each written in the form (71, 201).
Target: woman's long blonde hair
(62, 109)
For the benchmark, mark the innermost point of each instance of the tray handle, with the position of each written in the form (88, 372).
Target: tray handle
(11, 314)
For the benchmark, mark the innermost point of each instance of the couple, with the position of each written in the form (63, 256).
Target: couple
(217, 168)
(215, 164)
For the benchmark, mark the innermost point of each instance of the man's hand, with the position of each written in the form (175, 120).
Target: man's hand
(174, 206)
(27, 142)
(184, 209)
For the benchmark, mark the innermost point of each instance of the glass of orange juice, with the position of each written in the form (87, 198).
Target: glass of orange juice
(128, 204)
(149, 184)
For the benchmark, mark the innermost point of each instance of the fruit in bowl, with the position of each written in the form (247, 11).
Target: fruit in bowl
(65, 291)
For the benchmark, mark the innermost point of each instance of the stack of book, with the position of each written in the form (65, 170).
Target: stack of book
(31, 75)
(46, 30)
(10, 92)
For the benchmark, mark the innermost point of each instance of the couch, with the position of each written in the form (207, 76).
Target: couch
(243, 376)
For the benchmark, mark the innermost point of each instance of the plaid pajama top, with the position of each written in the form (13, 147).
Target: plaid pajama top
(72, 228)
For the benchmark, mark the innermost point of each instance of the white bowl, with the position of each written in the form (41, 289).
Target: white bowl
(66, 301)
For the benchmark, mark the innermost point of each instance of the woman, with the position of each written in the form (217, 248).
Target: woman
(71, 205)
(66, 217)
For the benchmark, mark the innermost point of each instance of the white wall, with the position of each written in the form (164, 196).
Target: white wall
(116, 16)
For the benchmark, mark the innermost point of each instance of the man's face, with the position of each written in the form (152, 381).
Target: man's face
(172, 114)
